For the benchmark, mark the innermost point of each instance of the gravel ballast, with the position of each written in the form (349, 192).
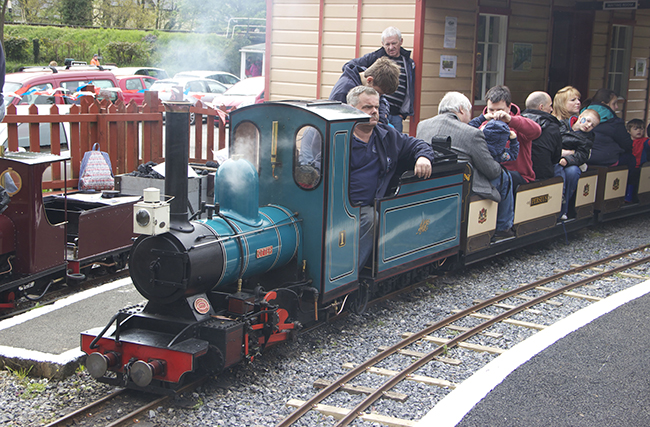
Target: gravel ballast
(255, 394)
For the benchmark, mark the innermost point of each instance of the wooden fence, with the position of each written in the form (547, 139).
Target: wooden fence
(130, 134)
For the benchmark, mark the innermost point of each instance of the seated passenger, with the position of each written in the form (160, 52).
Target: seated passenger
(382, 76)
(612, 143)
(640, 149)
(546, 150)
(489, 180)
(640, 142)
(500, 100)
(577, 140)
(566, 103)
(376, 149)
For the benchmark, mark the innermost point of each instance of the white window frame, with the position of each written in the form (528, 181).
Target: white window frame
(622, 53)
(501, 55)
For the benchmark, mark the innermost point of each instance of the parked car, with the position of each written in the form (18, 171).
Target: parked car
(193, 89)
(222, 77)
(57, 85)
(247, 92)
(134, 87)
(157, 73)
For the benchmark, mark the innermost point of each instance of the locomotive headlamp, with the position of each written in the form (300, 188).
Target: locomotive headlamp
(151, 216)
(142, 217)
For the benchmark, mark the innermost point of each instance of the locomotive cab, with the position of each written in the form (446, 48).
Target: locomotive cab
(302, 153)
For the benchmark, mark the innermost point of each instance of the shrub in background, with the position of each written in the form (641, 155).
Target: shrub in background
(17, 49)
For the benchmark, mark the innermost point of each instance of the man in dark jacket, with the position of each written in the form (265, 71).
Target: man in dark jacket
(382, 76)
(546, 150)
(376, 150)
(401, 101)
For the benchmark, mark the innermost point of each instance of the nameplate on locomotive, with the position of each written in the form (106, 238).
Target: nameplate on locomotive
(262, 252)
(538, 200)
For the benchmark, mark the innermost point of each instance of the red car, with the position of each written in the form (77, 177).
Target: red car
(133, 87)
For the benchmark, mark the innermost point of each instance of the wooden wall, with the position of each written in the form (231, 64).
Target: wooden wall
(529, 22)
(310, 41)
(433, 86)
(637, 94)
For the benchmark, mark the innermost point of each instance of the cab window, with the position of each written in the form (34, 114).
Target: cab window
(247, 143)
(307, 157)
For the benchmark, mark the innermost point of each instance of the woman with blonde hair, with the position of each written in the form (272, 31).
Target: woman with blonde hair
(566, 103)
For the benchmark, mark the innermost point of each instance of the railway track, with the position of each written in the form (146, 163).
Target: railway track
(500, 309)
(122, 407)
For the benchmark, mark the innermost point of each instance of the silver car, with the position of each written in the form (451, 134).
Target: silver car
(194, 89)
(222, 77)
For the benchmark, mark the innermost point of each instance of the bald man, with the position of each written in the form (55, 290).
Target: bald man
(546, 150)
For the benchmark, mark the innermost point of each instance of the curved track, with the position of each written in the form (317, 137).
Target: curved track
(542, 294)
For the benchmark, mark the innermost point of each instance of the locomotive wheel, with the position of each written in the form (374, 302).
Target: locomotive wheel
(360, 299)
(213, 362)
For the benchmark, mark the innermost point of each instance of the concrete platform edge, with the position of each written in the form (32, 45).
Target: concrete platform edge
(48, 365)
(451, 410)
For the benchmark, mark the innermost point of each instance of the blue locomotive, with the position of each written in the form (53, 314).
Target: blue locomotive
(279, 248)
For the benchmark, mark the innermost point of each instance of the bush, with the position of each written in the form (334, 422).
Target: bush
(17, 49)
(125, 53)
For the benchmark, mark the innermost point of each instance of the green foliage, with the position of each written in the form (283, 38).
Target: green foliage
(76, 12)
(20, 373)
(126, 52)
(33, 389)
(17, 48)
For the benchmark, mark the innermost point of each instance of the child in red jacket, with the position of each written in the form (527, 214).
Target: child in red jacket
(635, 128)
(640, 142)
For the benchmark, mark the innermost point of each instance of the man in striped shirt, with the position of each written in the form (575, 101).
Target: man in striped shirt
(401, 101)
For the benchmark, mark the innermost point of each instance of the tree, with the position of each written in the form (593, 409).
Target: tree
(3, 14)
(214, 15)
(76, 12)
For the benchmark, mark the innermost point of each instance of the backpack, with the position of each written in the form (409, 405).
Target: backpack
(95, 172)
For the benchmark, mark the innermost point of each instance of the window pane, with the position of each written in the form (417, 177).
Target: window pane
(481, 28)
(494, 30)
(619, 61)
(247, 143)
(133, 84)
(492, 58)
(480, 55)
(622, 36)
(308, 147)
(490, 80)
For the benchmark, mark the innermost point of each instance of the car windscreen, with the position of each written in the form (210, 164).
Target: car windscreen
(9, 90)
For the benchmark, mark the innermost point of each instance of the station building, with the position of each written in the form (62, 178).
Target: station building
(466, 46)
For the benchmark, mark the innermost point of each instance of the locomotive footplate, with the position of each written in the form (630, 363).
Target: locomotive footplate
(148, 353)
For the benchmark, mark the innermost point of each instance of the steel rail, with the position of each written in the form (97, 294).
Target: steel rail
(72, 415)
(335, 385)
(370, 399)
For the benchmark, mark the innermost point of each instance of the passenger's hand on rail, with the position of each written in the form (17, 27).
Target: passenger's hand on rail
(422, 167)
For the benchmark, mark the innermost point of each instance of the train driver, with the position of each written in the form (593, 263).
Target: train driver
(376, 150)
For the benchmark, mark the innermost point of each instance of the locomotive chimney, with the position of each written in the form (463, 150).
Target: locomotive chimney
(177, 133)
